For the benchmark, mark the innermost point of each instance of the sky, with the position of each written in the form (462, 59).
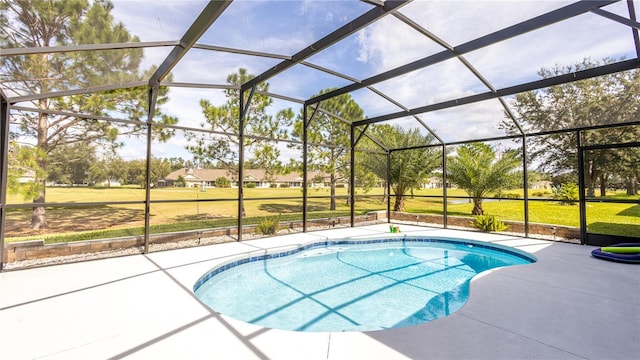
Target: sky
(286, 27)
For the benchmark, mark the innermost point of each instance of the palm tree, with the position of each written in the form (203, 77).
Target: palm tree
(479, 170)
(408, 168)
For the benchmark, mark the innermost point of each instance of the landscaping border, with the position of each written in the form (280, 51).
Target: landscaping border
(38, 249)
(548, 231)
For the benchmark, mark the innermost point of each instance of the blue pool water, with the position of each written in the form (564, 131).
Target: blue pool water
(338, 286)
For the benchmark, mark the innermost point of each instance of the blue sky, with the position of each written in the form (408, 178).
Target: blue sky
(286, 27)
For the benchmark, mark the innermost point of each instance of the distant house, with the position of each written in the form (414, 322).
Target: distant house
(542, 185)
(109, 183)
(435, 183)
(207, 178)
(432, 183)
(27, 176)
(194, 177)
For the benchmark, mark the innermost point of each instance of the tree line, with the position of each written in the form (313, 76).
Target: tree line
(79, 164)
(605, 100)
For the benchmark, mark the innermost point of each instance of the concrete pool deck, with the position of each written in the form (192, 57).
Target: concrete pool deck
(568, 305)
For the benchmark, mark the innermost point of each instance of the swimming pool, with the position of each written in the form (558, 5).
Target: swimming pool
(353, 285)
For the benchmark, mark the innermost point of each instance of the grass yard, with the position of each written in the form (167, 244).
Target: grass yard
(215, 208)
(602, 218)
(218, 207)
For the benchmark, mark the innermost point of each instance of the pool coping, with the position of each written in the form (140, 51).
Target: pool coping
(380, 239)
(566, 305)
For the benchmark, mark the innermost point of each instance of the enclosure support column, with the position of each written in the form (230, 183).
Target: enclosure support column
(444, 186)
(243, 112)
(525, 179)
(388, 185)
(581, 189)
(305, 178)
(153, 97)
(240, 163)
(4, 168)
(305, 159)
(352, 176)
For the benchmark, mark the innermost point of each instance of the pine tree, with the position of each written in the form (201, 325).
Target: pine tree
(43, 24)
(332, 160)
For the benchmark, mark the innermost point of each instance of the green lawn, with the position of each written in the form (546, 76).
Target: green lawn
(217, 208)
(604, 218)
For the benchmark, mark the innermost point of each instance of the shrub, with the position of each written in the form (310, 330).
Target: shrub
(180, 182)
(273, 186)
(222, 182)
(268, 226)
(488, 222)
(250, 185)
(567, 193)
(539, 193)
(507, 196)
(284, 185)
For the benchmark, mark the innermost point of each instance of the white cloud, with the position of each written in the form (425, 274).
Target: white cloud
(363, 46)
(288, 27)
(174, 147)
(564, 44)
(134, 149)
(457, 22)
(372, 104)
(473, 121)
(389, 44)
(329, 17)
(157, 20)
(184, 103)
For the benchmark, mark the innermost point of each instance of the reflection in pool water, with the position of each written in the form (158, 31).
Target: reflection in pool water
(343, 287)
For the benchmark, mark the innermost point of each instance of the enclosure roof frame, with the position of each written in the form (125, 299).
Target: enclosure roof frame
(537, 22)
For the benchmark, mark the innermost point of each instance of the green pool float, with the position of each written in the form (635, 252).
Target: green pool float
(621, 249)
